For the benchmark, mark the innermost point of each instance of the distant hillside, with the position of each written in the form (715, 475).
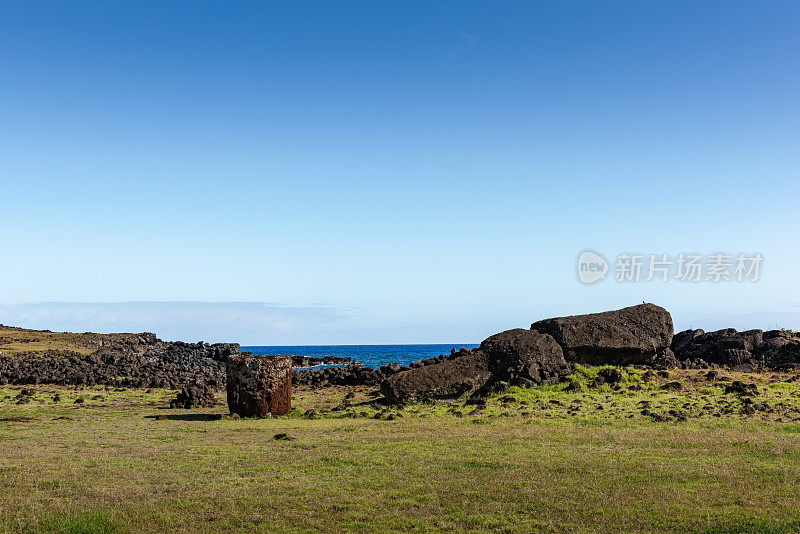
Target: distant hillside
(22, 342)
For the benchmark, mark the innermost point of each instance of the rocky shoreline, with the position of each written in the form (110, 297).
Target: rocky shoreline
(546, 353)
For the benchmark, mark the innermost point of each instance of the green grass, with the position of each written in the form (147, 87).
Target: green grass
(73, 523)
(524, 464)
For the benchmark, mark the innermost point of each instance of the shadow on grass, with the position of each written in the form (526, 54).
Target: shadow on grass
(187, 417)
(16, 419)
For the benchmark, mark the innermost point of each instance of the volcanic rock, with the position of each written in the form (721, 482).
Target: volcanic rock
(723, 347)
(194, 396)
(259, 386)
(459, 376)
(633, 335)
(741, 388)
(525, 354)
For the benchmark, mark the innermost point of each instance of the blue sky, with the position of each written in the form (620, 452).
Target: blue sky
(389, 172)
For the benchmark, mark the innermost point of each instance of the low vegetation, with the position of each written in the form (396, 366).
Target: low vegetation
(20, 341)
(606, 459)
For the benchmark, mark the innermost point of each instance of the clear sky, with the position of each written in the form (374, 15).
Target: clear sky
(388, 172)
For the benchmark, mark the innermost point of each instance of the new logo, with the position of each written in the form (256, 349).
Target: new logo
(592, 267)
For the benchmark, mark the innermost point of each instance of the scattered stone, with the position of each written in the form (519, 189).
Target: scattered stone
(740, 388)
(501, 387)
(610, 375)
(194, 396)
(679, 416)
(574, 387)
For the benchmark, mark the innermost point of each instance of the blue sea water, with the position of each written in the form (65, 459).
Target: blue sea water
(370, 355)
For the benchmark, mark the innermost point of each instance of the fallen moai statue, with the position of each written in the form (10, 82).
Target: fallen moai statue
(638, 335)
(516, 356)
(452, 378)
(635, 335)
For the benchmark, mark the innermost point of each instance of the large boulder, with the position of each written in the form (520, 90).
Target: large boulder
(635, 335)
(259, 386)
(521, 355)
(449, 379)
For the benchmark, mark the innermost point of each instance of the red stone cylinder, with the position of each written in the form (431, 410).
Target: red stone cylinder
(259, 386)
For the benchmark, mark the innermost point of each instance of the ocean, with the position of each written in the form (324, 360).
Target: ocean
(370, 355)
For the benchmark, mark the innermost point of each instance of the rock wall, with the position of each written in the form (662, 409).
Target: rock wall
(138, 360)
(751, 349)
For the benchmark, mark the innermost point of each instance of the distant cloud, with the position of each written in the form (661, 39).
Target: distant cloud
(463, 41)
(260, 323)
(466, 40)
(244, 322)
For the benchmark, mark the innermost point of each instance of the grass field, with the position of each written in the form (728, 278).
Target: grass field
(533, 460)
